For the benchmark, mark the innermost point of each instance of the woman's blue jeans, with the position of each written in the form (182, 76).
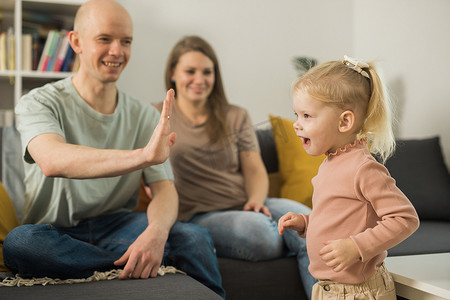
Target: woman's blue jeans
(254, 236)
(94, 245)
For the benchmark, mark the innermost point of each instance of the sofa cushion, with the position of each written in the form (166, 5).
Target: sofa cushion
(430, 237)
(8, 221)
(268, 149)
(296, 167)
(270, 279)
(270, 159)
(420, 172)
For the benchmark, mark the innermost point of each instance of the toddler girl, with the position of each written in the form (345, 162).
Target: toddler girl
(358, 211)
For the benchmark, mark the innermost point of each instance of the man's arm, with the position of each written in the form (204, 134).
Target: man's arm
(143, 258)
(56, 158)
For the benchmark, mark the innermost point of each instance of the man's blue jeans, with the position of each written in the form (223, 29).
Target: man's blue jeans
(93, 245)
(254, 236)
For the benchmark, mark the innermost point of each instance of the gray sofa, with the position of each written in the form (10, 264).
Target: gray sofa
(417, 166)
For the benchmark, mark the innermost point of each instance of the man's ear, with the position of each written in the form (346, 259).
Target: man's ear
(346, 121)
(74, 40)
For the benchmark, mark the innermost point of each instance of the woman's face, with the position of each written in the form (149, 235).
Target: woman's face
(194, 77)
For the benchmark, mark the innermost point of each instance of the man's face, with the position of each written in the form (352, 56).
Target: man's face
(105, 45)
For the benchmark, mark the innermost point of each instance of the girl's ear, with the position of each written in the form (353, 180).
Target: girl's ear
(346, 121)
(74, 40)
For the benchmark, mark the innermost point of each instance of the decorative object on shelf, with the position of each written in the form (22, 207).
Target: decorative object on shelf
(302, 64)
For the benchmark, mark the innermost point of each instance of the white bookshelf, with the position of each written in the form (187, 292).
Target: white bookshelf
(14, 83)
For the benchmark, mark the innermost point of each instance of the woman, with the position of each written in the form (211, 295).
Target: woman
(219, 173)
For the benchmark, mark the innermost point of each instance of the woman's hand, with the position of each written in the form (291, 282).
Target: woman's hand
(257, 207)
(339, 254)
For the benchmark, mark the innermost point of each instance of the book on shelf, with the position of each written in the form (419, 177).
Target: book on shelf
(57, 55)
(60, 52)
(27, 52)
(39, 36)
(69, 60)
(53, 52)
(7, 50)
(48, 48)
(2, 51)
(36, 50)
(10, 49)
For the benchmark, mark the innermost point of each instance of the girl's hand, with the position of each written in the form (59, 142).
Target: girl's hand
(339, 254)
(257, 207)
(291, 221)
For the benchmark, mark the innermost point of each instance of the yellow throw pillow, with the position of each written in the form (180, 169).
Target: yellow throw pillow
(296, 167)
(8, 221)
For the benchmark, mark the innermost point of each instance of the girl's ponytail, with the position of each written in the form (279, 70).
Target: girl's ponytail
(377, 126)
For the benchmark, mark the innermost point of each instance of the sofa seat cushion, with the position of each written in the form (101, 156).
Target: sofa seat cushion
(271, 279)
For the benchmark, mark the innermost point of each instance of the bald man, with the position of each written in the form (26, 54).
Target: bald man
(86, 144)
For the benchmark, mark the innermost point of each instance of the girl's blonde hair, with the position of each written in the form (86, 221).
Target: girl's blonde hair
(339, 84)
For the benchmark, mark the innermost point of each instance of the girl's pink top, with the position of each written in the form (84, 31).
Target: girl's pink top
(355, 196)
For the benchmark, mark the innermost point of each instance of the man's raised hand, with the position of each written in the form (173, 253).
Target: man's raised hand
(158, 148)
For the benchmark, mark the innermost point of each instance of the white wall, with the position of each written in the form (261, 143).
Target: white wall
(256, 40)
(411, 41)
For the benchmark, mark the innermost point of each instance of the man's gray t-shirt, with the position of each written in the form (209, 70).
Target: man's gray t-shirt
(58, 108)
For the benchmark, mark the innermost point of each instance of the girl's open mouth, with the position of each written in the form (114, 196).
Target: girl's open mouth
(306, 141)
